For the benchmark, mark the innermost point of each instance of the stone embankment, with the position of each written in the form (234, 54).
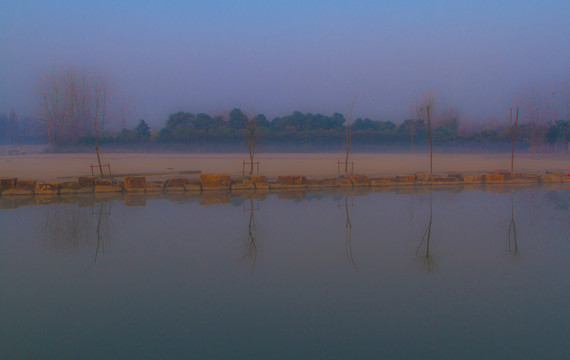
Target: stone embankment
(222, 182)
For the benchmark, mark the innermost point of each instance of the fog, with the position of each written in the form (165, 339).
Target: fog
(289, 55)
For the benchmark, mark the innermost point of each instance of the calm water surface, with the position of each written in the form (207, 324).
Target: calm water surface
(340, 275)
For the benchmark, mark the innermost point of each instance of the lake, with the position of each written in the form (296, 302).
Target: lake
(411, 273)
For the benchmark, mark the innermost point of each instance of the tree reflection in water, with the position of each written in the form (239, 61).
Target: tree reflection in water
(512, 245)
(348, 233)
(100, 243)
(250, 252)
(426, 260)
(68, 228)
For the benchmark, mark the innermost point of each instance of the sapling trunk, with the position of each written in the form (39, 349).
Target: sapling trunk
(348, 137)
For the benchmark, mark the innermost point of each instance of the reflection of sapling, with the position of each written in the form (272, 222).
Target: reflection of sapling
(427, 261)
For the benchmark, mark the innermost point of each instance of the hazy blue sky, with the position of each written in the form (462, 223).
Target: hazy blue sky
(312, 56)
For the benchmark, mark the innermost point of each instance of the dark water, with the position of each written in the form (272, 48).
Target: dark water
(339, 275)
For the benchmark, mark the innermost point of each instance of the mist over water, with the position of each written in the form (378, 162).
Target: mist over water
(295, 274)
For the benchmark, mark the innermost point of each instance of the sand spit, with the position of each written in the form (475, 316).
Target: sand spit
(64, 174)
(65, 167)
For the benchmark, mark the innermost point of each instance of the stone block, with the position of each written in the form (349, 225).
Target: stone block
(73, 187)
(329, 182)
(422, 177)
(445, 180)
(43, 188)
(258, 179)
(315, 183)
(135, 183)
(242, 185)
(215, 182)
(8, 183)
(175, 184)
(292, 180)
(494, 178)
(440, 180)
(155, 186)
(262, 187)
(193, 185)
(550, 178)
(359, 180)
(86, 181)
(405, 179)
(23, 187)
(455, 176)
(474, 179)
(519, 178)
(381, 181)
(343, 182)
(106, 186)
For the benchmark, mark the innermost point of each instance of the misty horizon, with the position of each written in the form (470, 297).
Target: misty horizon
(211, 57)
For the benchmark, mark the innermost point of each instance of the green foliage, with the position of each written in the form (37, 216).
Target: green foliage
(142, 131)
(446, 131)
(307, 129)
(238, 120)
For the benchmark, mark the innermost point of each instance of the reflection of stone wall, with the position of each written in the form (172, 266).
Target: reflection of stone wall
(215, 198)
(250, 184)
(8, 201)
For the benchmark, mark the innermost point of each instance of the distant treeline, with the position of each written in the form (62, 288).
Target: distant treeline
(184, 129)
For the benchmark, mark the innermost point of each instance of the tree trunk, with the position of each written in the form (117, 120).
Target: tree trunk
(430, 142)
(98, 156)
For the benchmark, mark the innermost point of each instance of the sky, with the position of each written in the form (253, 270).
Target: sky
(280, 56)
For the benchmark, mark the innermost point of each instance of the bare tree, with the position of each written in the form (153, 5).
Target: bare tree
(98, 113)
(125, 113)
(535, 109)
(412, 124)
(513, 129)
(564, 125)
(425, 111)
(251, 140)
(348, 134)
(74, 103)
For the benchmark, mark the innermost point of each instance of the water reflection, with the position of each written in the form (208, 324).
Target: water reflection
(169, 285)
(73, 222)
(348, 231)
(250, 252)
(426, 260)
(100, 220)
(512, 245)
(66, 228)
(557, 194)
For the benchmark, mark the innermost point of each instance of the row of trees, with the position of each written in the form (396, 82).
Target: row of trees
(74, 104)
(79, 107)
(296, 128)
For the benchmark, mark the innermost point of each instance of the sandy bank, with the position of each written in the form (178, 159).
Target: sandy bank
(55, 167)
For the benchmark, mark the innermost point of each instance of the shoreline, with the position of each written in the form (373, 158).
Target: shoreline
(55, 167)
(253, 185)
(208, 198)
